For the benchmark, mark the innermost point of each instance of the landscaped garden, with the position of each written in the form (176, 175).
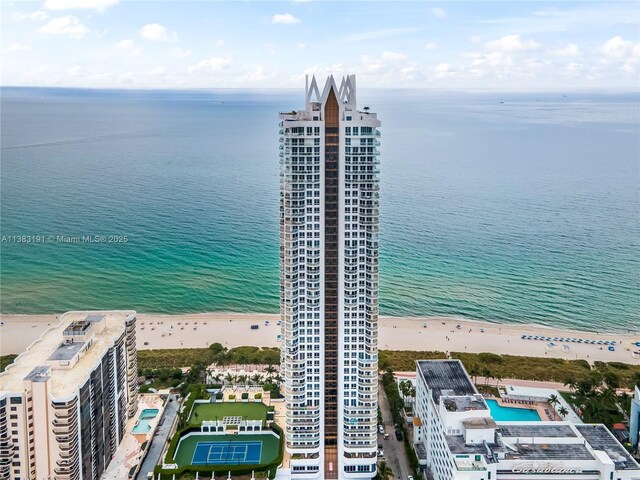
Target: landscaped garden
(194, 451)
(217, 411)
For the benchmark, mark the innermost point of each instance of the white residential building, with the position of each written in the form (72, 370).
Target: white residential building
(65, 401)
(329, 282)
(457, 438)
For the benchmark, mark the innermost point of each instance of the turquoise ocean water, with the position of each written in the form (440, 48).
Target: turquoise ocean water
(494, 206)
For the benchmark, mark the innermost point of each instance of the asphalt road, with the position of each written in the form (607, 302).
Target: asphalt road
(394, 451)
(159, 438)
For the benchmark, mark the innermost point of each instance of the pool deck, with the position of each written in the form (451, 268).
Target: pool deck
(545, 411)
(129, 451)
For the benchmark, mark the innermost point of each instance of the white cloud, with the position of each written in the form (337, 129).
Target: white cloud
(124, 45)
(619, 47)
(75, 71)
(67, 25)
(493, 59)
(430, 46)
(571, 50)
(444, 70)
(38, 15)
(284, 19)
(258, 75)
(512, 44)
(128, 46)
(573, 69)
(99, 5)
(385, 33)
(439, 12)
(15, 47)
(180, 52)
(390, 68)
(219, 42)
(156, 72)
(393, 56)
(211, 65)
(155, 32)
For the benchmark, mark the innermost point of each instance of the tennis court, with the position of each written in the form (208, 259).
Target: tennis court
(257, 449)
(230, 453)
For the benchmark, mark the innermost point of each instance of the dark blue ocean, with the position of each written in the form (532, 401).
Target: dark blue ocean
(507, 207)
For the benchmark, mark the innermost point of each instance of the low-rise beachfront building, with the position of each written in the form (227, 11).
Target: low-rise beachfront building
(65, 401)
(457, 438)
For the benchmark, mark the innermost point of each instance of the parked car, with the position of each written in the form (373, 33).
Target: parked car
(381, 428)
(398, 435)
(386, 436)
(381, 453)
(255, 327)
(410, 477)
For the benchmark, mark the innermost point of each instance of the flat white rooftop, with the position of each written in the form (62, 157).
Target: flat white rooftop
(51, 347)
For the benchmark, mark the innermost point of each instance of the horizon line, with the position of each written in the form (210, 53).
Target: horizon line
(290, 89)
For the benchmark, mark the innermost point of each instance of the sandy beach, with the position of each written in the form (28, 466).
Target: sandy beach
(442, 334)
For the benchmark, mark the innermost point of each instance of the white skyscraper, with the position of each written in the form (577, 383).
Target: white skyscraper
(329, 283)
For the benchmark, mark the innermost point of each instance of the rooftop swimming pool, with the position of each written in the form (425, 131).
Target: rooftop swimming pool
(143, 425)
(511, 414)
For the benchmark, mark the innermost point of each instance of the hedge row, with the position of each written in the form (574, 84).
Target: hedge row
(185, 357)
(515, 366)
(188, 470)
(195, 392)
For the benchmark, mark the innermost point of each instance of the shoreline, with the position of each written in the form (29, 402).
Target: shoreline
(453, 318)
(198, 330)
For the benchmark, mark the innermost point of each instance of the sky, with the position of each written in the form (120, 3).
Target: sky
(135, 44)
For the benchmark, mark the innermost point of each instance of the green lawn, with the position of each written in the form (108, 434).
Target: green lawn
(216, 411)
(270, 446)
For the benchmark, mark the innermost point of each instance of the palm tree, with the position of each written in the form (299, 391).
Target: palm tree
(242, 379)
(412, 395)
(486, 373)
(270, 370)
(384, 471)
(229, 378)
(473, 371)
(498, 379)
(553, 399)
(563, 411)
(255, 379)
(402, 388)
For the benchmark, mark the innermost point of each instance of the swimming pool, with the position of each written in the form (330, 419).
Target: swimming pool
(511, 414)
(143, 425)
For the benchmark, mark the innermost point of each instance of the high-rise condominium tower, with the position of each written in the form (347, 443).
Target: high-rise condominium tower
(65, 401)
(329, 283)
